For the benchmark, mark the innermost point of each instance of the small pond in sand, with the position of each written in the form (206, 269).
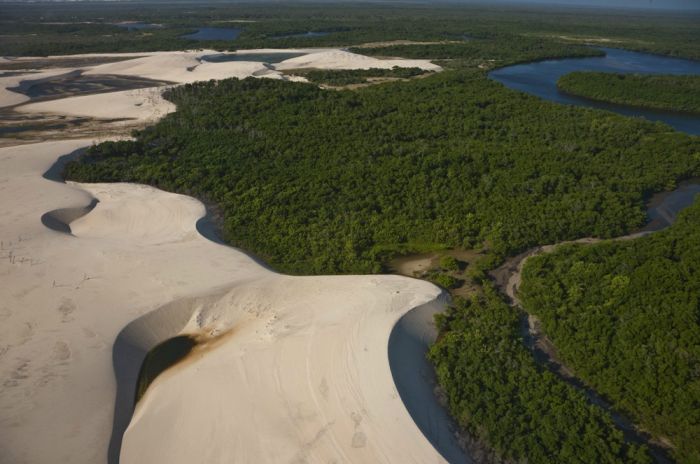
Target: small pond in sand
(76, 83)
(540, 79)
(272, 57)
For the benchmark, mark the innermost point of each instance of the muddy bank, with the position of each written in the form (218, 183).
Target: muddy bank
(76, 83)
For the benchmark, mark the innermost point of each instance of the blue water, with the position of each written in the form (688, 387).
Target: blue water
(214, 33)
(665, 207)
(540, 79)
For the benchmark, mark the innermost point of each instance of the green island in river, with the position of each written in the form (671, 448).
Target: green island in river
(668, 93)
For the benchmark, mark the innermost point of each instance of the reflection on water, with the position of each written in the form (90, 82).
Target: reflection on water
(540, 79)
(664, 207)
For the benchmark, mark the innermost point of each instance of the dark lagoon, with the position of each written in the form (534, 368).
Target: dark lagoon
(214, 33)
(262, 57)
(664, 207)
(540, 79)
(76, 83)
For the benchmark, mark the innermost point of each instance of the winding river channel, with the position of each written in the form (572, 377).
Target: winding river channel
(540, 79)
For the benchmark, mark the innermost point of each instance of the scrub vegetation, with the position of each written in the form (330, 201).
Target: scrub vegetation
(672, 93)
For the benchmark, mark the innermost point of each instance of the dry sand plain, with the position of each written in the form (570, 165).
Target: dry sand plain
(290, 369)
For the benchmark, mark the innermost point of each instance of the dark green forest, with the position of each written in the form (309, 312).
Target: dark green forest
(44, 28)
(499, 394)
(322, 182)
(496, 50)
(626, 317)
(673, 93)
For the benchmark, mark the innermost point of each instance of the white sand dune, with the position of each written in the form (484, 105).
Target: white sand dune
(340, 59)
(291, 369)
(145, 105)
(184, 67)
(179, 67)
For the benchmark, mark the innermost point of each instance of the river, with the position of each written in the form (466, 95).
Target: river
(540, 79)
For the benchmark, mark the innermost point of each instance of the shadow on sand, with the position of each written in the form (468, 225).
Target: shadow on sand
(415, 380)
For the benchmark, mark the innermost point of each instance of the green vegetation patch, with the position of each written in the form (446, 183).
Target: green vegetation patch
(626, 317)
(444, 280)
(330, 182)
(523, 412)
(672, 93)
